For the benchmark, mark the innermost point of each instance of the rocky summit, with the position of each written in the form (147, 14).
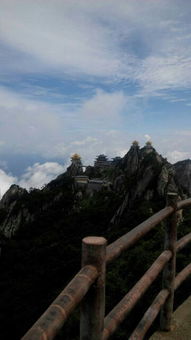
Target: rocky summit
(142, 174)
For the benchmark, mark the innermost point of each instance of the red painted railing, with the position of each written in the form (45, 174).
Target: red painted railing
(88, 286)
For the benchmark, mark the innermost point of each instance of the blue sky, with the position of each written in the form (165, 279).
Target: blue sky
(90, 77)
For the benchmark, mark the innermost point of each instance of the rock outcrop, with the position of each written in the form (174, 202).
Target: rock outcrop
(19, 208)
(15, 213)
(13, 194)
(183, 175)
(146, 175)
(130, 162)
(166, 181)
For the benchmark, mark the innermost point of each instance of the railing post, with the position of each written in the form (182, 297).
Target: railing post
(169, 271)
(93, 305)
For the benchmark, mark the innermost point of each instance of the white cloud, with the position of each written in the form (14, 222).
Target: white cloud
(164, 72)
(85, 141)
(34, 176)
(104, 123)
(104, 106)
(147, 137)
(40, 174)
(175, 156)
(54, 130)
(102, 38)
(122, 152)
(6, 180)
(173, 144)
(27, 125)
(61, 33)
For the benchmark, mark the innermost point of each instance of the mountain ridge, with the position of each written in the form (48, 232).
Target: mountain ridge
(141, 174)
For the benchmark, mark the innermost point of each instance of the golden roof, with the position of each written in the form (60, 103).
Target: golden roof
(75, 156)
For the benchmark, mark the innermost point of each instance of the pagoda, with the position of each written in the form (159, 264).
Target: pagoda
(76, 160)
(102, 161)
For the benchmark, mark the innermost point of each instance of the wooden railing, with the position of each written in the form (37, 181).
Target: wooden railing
(88, 286)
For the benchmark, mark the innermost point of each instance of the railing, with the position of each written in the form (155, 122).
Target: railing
(88, 286)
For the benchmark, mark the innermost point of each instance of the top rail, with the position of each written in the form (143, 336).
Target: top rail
(48, 325)
(129, 239)
(119, 312)
(184, 204)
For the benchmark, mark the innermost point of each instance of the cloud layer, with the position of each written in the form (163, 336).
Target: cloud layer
(148, 44)
(91, 76)
(52, 129)
(35, 176)
(6, 181)
(39, 174)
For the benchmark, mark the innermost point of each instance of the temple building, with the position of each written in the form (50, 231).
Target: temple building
(148, 146)
(76, 160)
(102, 161)
(135, 143)
(76, 167)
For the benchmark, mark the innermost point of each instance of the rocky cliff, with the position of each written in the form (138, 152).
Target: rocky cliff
(146, 176)
(13, 210)
(19, 208)
(141, 175)
(183, 175)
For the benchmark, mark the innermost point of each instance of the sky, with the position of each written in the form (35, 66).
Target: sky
(90, 77)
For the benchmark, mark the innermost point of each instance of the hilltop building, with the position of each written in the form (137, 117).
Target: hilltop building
(76, 160)
(76, 166)
(135, 143)
(102, 161)
(80, 179)
(148, 148)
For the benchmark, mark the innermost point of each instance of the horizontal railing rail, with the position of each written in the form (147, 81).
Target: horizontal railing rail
(154, 309)
(129, 239)
(120, 311)
(88, 286)
(58, 312)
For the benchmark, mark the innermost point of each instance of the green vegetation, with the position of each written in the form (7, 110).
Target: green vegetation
(39, 262)
(45, 254)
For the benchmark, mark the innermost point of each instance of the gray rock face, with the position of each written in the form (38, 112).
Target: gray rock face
(14, 193)
(130, 162)
(14, 216)
(74, 170)
(163, 181)
(119, 183)
(13, 221)
(143, 183)
(149, 175)
(19, 209)
(183, 175)
(166, 182)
